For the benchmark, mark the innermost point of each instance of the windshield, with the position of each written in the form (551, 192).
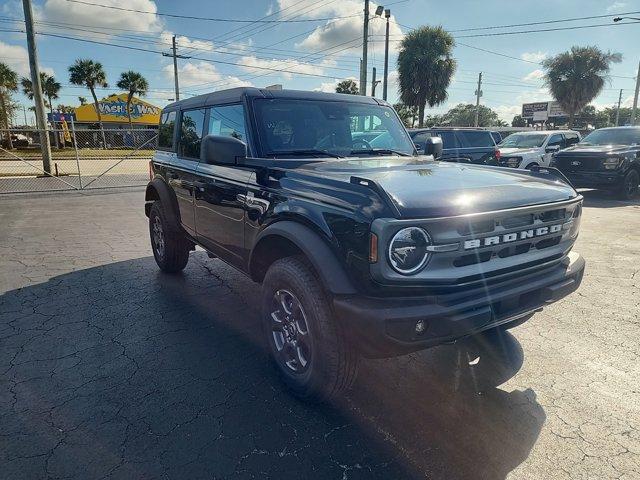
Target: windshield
(613, 136)
(519, 140)
(313, 127)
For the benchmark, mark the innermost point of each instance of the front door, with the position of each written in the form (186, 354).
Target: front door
(221, 191)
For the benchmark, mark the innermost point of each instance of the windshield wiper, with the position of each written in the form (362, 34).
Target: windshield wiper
(381, 151)
(308, 151)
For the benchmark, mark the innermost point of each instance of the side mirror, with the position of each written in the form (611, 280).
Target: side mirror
(552, 148)
(433, 146)
(218, 149)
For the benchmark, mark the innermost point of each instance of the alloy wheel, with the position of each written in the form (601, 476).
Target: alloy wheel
(158, 236)
(290, 332)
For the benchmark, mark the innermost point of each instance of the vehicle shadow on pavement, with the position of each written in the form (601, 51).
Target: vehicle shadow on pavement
(120, 371)
(604, 199)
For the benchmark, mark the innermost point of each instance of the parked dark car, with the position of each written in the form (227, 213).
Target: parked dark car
(363, 248)
(607, 158)
(464, 145)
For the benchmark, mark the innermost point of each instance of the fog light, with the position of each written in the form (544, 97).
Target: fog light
(420, 326)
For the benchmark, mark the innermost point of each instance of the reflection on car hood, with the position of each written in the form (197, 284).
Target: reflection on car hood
(591, 149)
(427, 188)
(518, 151)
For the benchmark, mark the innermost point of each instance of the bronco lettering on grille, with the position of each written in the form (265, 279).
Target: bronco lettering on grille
(512, 237)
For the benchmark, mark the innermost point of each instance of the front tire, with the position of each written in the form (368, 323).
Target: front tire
(630, 185)
(170, 247)
(310, 350)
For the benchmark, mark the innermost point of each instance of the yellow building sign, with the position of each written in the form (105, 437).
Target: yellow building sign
(114, 110)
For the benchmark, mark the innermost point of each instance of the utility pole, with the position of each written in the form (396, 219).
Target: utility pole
(175, 56)
(38, 99)
(618, 110)
(365, 42)
(478, 95)
(374, 83)
(387, 14)
(24, 110)
(635, 98)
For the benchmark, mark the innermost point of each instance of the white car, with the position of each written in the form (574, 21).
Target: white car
(528, 149)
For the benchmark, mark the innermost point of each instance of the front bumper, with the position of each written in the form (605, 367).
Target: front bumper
(386, 326)
(610, 179)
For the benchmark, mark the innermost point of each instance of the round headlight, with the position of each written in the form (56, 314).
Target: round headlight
(408, 250)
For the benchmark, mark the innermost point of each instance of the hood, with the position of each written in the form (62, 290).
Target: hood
(423, 189)
(580, 149)
(518, 151)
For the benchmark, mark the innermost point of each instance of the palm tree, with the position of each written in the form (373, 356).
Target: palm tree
(90, 74)
(347, 86)
(82, 100)
(576, 77)
(8, 84)
(425, 68)
(134, 83)
(50, 89)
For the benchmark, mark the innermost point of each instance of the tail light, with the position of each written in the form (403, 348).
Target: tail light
(498, 154)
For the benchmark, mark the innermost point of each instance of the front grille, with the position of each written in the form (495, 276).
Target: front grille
(579, 163)
(479, 247)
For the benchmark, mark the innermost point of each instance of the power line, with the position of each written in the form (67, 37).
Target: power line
(210, 19)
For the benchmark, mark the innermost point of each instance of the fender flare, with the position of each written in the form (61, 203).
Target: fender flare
(322, 258)
(158, 189)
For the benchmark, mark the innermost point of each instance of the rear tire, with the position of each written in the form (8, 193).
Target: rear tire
(170, 247)
(630, 185)
(310, 350)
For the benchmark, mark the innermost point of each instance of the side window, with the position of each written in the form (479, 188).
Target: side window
(475, 138)
(228, 121)
(571, 138)
(555, 140)
(449, 139)
(165, 130)
(191, 127)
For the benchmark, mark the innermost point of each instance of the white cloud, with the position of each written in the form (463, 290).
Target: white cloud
(507, 111)
(288, 66)
(16, 57)
(533, 76)
(534, 56)
(345, 32)
(616, 7)
(185, 42)
(331, 86)
(201, 74)
(78, 13)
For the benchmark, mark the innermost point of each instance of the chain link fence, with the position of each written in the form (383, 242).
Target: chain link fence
(80, 159)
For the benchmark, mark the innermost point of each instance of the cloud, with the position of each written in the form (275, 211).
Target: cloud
(507, 111)
(16, 57)
(202, 74)
(536, 57)
(185, 42)
(533, 76)
(331, 86)
(288, 66)
(344, 34)
(616, 7)
(81, 14)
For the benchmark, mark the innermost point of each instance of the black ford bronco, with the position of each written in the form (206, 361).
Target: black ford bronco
(362, 247)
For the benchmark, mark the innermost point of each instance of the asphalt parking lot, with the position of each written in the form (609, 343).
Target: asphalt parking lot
(110, 369)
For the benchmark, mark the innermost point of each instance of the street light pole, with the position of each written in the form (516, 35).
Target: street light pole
(387, 14)
(41, 121)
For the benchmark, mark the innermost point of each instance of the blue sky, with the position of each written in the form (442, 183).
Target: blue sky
(227, 54)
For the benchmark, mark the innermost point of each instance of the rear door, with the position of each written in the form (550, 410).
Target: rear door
(182, 175)
(221, 190)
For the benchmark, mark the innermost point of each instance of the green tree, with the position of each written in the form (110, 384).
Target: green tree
(425, 68)
(464, 115)
(90, 74)
(519, 121)
(407, 114)
(82, 100)
(50, 89)
(8, 84)
(578, 76)
(135, 84)
(347, 86)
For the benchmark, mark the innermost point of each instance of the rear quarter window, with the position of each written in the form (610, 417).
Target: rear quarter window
(474, 139)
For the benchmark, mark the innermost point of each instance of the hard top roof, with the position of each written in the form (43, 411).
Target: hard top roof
(236, 95)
